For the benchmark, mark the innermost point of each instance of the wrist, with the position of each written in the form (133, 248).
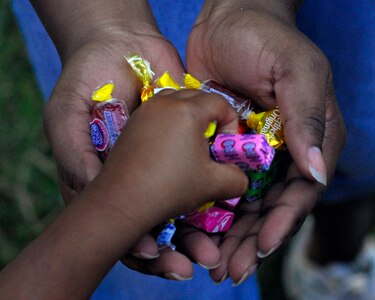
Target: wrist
(74, 253)
(284, 9)
(93, 21)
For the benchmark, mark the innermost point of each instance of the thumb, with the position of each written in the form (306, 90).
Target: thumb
(301, 95)
(69, 136)
(228, 181)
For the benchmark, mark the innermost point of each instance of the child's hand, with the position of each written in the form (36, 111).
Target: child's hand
(176, 165)
(162, 158)
(159, 168)
(254, 47)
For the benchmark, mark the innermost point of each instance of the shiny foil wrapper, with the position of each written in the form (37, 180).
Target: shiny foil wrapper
(240, 104)
(211, 220)
(269, 124)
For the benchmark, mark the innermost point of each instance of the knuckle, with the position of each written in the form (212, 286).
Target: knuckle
(318, 62)
(312, 119)
(337, 133)
(185, 109)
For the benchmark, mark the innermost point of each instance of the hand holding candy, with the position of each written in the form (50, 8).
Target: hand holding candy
(270, 61)
(143, 181)
(92, 44)
(92, 55)
(185, 116)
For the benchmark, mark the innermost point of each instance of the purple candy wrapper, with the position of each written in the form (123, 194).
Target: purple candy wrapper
(248, 151)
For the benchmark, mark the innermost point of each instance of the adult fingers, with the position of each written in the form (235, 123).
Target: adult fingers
(170, 265)
(198, 246)
(301, 82)
(238, 246)
(145, 248)
(288, 203)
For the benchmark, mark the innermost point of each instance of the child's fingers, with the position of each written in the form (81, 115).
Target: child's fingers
(227, 181)
(212, 107)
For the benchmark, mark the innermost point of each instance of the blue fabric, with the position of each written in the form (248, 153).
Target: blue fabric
(122, 283)
(345, 31)
(43, 55)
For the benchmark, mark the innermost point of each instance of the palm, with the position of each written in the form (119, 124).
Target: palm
(69, 113)
(271, 62)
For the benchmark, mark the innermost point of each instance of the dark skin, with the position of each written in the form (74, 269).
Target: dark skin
(127, 199)
(250, 46)
(275, 64)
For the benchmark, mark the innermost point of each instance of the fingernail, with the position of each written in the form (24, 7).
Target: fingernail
(174, 276)
(143, 255)
(208, 267)
(246, 275)
(260, 254)
(317, 165)
(225, 276)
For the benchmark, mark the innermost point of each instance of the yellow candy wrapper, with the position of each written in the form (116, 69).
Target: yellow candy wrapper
(103, 93)
(143, 71)
(269, 124)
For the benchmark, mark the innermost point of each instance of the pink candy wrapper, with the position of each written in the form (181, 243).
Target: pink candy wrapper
(248, 151)
(230, 204)
(212, 220)
(109, 118)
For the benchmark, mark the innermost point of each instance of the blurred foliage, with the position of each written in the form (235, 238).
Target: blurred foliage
(29, 197)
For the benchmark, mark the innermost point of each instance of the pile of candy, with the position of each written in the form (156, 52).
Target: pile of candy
(252, 149)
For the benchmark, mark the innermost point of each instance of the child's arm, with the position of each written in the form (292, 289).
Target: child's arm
(159, 168)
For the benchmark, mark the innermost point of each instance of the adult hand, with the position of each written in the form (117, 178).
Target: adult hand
(255, 48)
(92, 43)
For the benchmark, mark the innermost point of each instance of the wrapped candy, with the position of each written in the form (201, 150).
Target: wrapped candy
(211, 220)
(110, 116)
(251, 152)
(260, 182)
(248, 151)
(241, 105)
(269, 124)
(164, 239)
(230, 204)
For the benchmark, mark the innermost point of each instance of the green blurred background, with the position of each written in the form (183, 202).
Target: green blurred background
(29, 197)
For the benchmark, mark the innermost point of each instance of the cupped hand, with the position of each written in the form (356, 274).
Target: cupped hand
(261, 53)
(68, 114)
